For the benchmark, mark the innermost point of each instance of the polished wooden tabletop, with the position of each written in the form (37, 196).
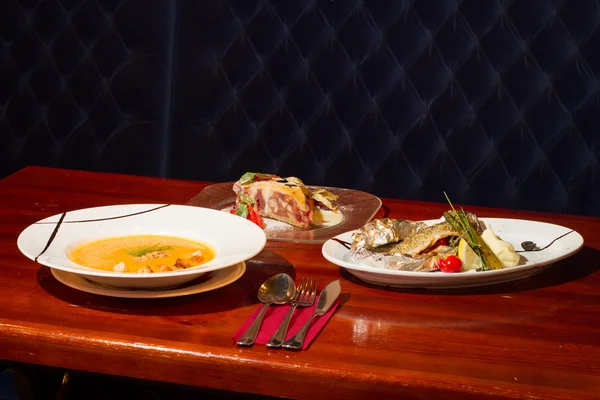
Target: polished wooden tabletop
(538, 337)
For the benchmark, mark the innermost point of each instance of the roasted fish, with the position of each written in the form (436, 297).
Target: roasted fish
(380, 232)
(403, 245)
(422, 244)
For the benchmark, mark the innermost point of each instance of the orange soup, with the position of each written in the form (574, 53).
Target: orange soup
(142, 254)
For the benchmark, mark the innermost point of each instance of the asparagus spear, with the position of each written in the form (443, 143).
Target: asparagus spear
(460, 223)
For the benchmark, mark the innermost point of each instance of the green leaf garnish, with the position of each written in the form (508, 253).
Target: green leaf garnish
(143, 250)
(248, 177)
(244, 198)
(242, 210)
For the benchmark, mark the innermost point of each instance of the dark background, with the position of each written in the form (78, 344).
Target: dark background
(495, 102)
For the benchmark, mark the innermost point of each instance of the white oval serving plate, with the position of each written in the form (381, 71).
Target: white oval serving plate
(514, 231)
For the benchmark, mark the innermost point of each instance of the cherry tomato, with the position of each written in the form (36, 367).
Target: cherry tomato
(450, 264)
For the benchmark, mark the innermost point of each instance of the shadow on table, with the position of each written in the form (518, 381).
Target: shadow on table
(580, 265)
(38, 382)
(238, 294)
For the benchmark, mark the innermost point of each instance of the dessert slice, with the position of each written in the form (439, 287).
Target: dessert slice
(283, 199)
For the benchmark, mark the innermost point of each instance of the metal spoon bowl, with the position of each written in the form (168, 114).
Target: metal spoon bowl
(278, 289)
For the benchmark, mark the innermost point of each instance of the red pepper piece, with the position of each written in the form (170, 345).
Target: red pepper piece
(441, 242)
(254, 217)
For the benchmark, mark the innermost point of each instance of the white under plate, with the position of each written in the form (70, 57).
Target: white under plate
(216, 280)
(514, 231)
(51, 240)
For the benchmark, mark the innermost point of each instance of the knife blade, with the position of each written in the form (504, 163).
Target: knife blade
(328, 296)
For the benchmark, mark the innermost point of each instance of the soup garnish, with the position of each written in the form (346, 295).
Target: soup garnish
(142, 254)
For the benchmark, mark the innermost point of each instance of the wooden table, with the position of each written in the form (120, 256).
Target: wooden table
(534, 338)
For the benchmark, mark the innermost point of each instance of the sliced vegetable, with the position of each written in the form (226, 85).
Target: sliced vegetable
(254, 217)
(292, 180)
(245, 209)
(461, 224)
(325, 198)
(470, 259)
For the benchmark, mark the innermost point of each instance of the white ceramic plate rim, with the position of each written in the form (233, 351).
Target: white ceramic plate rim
(220, 278)
(329, 252)
(215, 264)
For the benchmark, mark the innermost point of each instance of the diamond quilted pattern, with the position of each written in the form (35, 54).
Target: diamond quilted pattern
(84, 84)
(494, 103)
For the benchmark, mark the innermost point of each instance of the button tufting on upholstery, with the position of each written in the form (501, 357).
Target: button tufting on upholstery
(74, 69)
(494, 102)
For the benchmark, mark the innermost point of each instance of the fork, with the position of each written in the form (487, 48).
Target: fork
(305, 296)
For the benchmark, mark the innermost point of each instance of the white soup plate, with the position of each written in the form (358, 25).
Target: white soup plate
(51, 240)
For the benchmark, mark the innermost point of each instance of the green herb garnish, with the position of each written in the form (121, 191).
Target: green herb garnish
(242, 210)
(250, 177)
(143, 250)
(245, 198)
(461, 224)
(245, 202)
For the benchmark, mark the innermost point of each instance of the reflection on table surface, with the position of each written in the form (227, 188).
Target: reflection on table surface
(534, 337)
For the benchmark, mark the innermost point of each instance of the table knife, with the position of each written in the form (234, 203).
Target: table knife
(328, 296)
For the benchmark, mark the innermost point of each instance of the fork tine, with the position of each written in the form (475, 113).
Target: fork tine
(309, 283)
(313, 294)
(300, 290)
(304, 296)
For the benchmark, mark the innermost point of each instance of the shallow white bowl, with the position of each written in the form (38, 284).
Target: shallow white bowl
(50, 241)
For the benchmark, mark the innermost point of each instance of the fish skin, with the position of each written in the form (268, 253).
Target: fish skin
(381, 232)
(420, 241)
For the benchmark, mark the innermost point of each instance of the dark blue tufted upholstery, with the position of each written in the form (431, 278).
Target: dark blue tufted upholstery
(496, 102)
(86, 84)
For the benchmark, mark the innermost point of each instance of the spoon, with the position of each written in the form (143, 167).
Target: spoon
(278, 289)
